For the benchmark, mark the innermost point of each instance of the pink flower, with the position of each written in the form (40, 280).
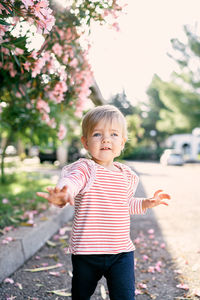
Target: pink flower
(158, 265)
(19, 51)
(7, 240)
(11, 297)
(8, 228)
(62, 132)
(41, 4)
(42, 106)
(27, 65)
(44, 264)
(162, 245)
(138, 292)
(73, 63)
(2, 29)
(151, 231)
(27, 3)
(115, 25)
(9, 280)
(34, 54)
(57, 49)
(151, 269)
(151, 236)
(142, 285)
(39, 64)
(5, 201)
(51, 123)
(145, 257)
(65, 58)
(182, 286)
(137, 241)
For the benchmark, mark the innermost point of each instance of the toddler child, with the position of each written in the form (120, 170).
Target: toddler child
(102, 191)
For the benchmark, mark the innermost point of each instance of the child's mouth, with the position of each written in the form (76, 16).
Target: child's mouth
(105, 148)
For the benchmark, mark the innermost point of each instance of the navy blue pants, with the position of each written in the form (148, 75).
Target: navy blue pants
(118, 269)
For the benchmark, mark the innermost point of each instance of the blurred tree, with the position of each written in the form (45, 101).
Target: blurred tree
(151, 115)
(181, 95)
(121, 101)
(135, 131)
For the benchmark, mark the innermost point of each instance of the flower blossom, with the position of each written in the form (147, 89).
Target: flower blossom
(57, 49)
(42, 106)
(62, 132)
(27, 3)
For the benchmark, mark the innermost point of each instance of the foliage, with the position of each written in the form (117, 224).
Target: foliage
(121, 101)
(142, 152)
(180, 96)
(151, 115)
(135, 133)
(18, 196)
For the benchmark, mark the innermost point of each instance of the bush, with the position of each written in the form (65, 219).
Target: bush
(143, 153)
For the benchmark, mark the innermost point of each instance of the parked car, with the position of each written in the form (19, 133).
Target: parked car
(48, 155)
(171, 157)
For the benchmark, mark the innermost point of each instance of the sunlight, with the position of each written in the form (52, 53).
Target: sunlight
(129, 59)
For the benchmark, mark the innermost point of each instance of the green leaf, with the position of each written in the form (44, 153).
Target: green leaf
(51, 244)
(17, 60)
(43, 268)
(60, 293)
(2, 22)
(13, 220)
(7, 8)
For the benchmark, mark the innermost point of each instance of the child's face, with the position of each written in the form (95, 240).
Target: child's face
(105, 142)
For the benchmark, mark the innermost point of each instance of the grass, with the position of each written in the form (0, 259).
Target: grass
(20, 194)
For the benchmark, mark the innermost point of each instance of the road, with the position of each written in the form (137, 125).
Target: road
(180, 222)
(159, 269)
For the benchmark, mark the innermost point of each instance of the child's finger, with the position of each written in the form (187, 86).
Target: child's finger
(56, 189)
(50, 190)
(164, 196)
(157, 193)
(43, 195)
(64, 189)
(165, 203)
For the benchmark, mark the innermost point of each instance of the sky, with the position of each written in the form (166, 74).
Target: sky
(128, 59)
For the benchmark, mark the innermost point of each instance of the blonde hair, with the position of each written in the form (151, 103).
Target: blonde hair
(105, 112)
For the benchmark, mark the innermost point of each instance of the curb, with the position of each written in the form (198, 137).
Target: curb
(28, 240)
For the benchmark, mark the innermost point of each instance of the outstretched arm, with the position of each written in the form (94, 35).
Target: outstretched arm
(158, 198)
(57, 196)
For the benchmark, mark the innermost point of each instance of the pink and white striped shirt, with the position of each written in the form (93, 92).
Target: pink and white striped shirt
(104, 200)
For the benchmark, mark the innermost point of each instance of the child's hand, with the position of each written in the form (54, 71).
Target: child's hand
(158, 198)
(56, 196)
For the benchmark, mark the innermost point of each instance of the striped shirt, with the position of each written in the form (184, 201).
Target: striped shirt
(104, 200)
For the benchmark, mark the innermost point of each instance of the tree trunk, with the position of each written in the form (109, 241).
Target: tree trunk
(6, 142)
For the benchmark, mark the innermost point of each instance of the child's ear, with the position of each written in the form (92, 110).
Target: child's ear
(84, 142)
(123, 143)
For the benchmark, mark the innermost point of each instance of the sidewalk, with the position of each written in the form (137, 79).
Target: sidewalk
(28, 240)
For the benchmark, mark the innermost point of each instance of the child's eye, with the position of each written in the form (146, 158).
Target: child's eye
(96, 134)
(114, 134)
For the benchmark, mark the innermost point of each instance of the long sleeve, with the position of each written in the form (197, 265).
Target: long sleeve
(75, 176)
(135, 204)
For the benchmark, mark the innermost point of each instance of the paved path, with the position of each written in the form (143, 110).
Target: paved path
(156, 235)
(180, 222)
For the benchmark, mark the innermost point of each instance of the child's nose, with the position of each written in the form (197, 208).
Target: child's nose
(105, 139)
